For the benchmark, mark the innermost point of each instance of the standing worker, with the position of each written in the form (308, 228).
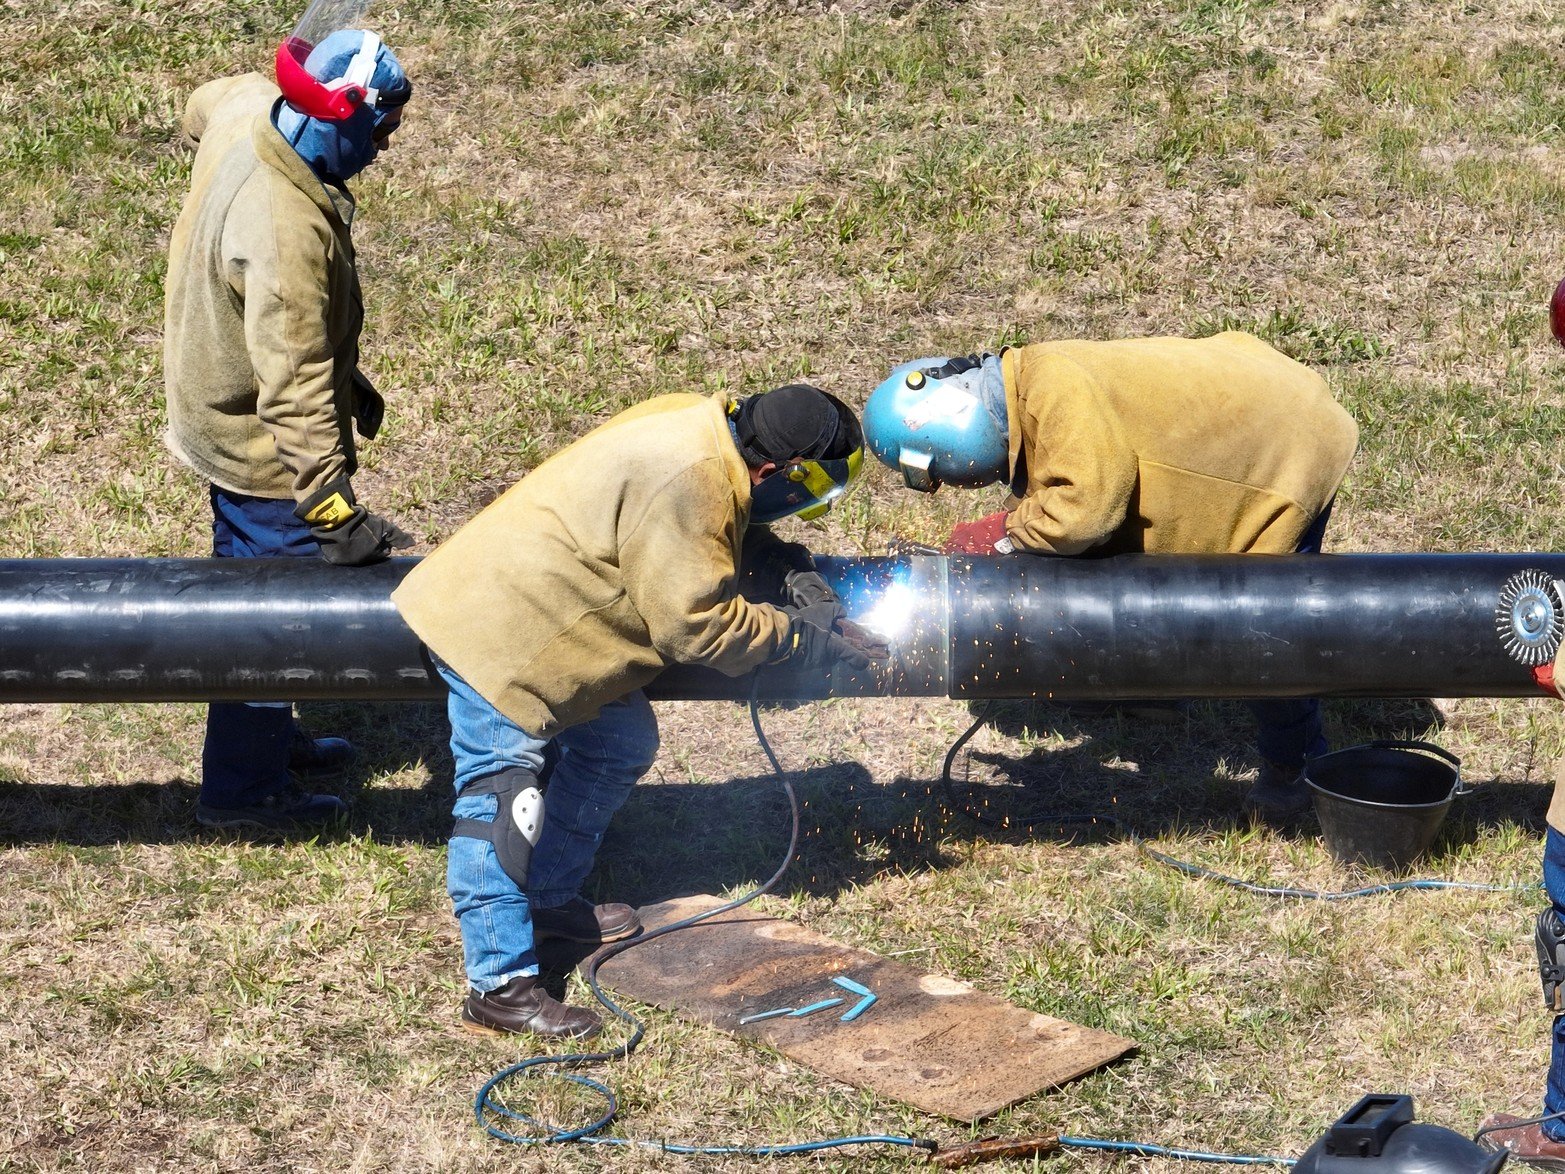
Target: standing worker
(260, 361)
(1540, 1141)
(1155, 445)
(547, 614)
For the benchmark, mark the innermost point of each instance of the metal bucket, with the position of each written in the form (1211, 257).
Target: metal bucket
(1382, 803)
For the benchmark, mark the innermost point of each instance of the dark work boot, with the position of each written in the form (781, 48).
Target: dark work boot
(290, 812)
(522, 1005)
(1527, 1144)
(578, 920)
(312, 760)
(1280, 794)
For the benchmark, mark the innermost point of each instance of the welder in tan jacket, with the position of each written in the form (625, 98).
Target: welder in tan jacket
(1218, 445)
(262, 319)
(547, 614)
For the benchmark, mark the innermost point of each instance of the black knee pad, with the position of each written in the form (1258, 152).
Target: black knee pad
(517, 824)
(1550, 941)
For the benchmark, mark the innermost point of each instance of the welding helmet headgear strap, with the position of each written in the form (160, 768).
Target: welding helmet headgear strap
(322, 81)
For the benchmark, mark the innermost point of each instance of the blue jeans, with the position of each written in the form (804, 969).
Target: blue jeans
(1290, 730)
(588, 770)
(245, 756)
(1554, 885)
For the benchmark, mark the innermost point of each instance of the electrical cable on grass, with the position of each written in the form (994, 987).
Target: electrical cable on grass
(1061, 819)
(493, 1115)
(1147, 1150)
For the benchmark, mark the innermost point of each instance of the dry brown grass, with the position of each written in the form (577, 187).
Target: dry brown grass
(593, 203)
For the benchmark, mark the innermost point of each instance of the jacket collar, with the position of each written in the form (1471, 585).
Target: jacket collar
(1010, 362)
(733, 463)
(273, 151)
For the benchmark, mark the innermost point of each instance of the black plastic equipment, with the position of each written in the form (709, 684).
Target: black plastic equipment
(1382, 803)
(1378, 1136)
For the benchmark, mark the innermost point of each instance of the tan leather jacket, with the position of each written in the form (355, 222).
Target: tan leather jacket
(613, 559)
(262, 309)
(1193, 446)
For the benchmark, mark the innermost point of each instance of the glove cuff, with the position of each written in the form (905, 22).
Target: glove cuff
(330, 506)
(790, 643)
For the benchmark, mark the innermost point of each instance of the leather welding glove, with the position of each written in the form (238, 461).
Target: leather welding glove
(349, 535)
(768, 561)
(804, 588)
(369, 406)
(985, 536)
(812, 643)
(828, 614)
(867, 642)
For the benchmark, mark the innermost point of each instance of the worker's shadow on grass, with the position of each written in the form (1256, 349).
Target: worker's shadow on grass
(1171, 768)
(674, 839)
(395, 740)
(87, 815)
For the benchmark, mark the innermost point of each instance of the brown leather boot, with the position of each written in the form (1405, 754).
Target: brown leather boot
(578, 920)
(1527, 1144)
(522, 1005)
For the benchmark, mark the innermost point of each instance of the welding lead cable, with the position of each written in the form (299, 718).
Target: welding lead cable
(1069, 818)
(1144, 1149)
(491, 1114)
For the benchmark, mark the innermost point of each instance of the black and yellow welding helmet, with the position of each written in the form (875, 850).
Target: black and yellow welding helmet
(813, 438)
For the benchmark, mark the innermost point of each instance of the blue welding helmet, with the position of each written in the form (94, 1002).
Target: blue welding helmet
(941, 420)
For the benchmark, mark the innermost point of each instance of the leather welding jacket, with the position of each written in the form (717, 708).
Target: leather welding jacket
(262, 310)
(1169, 445)
(614, 558)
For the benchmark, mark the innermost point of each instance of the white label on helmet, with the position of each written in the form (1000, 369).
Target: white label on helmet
(948, 403)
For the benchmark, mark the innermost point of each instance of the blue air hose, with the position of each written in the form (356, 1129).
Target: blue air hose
(493, 1116)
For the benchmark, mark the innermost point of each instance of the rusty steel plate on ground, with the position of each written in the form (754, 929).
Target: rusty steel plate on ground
(933, 1042)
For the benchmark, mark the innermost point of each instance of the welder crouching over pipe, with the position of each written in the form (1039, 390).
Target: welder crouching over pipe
(548, 613)
(1219, 445)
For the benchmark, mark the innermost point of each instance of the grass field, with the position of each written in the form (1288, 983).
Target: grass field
(592, 203)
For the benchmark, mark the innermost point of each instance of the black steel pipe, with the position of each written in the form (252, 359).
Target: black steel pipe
(1392, 625)
(1134, 626)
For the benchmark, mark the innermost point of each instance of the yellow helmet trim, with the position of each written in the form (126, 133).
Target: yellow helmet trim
(823, 485)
